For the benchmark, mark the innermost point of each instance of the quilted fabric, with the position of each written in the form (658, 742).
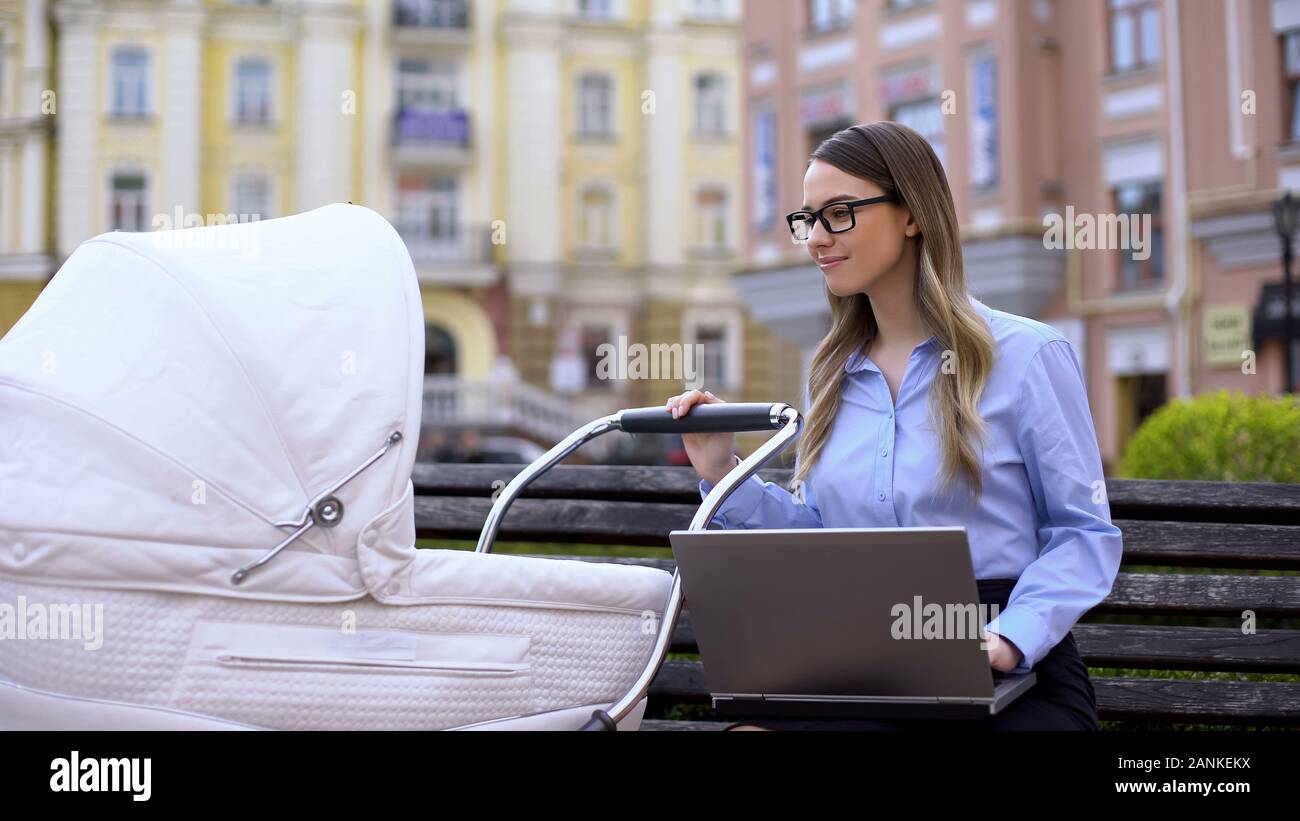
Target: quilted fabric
(151, 655)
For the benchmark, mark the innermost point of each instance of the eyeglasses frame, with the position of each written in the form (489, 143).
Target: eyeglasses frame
(819, 216)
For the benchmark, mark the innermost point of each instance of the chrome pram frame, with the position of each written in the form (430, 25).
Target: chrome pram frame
(711, 418)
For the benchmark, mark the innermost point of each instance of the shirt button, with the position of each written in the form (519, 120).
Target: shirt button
(882, 497)
(884, 451)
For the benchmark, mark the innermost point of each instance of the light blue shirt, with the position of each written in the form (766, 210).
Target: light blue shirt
(1043, 516)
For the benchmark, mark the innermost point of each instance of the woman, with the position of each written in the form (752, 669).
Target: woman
(928, 408)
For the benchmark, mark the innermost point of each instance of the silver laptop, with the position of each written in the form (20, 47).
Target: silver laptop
(841, 623)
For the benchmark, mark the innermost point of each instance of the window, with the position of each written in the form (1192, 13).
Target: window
(710, 103)
(428, 216)
(1291, 65)
(4, 51)
(592, 337)
(430, 84)
(431, 13)
(711, 218)
(763, 190)
(926, 118)
(1134, 34)
(824, 15)
(713, 364)
(252, 91)
(708, 9)
(982, 132)
(595, 111)
(250, 196)
(596, 9)
(596, 217)
(130, 82)
(127, 202)
(1135, 200)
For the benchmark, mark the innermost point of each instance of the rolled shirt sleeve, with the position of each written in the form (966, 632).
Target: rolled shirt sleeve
(1079, 548)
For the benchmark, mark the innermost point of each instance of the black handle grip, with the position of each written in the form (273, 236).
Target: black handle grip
(716, 418)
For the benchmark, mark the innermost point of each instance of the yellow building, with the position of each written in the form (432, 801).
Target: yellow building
(566, 173)
(637, 105)
(184, 112)
(26, 109)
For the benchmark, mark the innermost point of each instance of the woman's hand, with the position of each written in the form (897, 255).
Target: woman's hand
(711, 454)
(1003, 654)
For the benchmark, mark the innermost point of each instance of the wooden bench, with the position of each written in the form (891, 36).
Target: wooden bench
(1209, 539)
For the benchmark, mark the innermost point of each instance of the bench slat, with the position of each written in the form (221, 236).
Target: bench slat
(1210, 544)
(1164, 700)
(1143, 647)
(583, 521)
(1152, 593)
(1128, 498)
(1178, 594)
(553, 520)
(651, 725)
(1188, 648)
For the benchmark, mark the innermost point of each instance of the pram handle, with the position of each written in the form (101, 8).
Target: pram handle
(724, 416)
(701, 418)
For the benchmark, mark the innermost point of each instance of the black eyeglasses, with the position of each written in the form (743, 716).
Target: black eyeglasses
(837, 217)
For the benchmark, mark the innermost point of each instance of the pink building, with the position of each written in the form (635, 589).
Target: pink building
(1177, 119)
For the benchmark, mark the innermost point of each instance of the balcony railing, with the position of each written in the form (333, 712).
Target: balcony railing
(420, 126)
(504, 405)
(461, 244)
(431, 14)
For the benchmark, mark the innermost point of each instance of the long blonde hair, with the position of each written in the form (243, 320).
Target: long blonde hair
(901, 162)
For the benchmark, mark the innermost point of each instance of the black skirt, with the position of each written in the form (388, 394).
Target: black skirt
(1062, 698)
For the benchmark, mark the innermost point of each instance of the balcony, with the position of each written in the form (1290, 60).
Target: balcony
(431, 22)
(431, 136)
(464, 256)
(507, 406)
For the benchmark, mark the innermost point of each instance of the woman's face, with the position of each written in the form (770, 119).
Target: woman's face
(851, 261)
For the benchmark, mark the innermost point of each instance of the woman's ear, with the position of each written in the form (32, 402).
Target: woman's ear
(911, 229)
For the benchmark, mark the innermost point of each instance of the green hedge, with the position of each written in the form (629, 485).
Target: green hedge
(1226, 437)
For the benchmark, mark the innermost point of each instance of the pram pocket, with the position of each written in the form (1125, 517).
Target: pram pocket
(310, 675)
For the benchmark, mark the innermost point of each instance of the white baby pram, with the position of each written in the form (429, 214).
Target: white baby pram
(207, 518)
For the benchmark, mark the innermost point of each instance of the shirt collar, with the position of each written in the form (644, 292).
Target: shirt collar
(857, 361)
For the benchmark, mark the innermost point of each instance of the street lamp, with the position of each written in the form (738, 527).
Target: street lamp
(1285, 214)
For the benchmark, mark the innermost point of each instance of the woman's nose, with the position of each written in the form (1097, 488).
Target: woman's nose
(819, 236)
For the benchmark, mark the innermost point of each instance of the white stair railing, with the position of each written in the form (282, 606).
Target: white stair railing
(456, 401)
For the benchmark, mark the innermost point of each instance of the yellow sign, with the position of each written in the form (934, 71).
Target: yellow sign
(1226, 334)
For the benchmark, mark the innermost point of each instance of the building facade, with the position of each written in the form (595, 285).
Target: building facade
(566, 173)
(26, 108)
(1046, 110)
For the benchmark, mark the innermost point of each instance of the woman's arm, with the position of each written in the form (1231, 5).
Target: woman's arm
(757, 504)
(1079, 547)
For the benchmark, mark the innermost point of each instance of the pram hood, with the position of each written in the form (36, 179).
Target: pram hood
(171, 396)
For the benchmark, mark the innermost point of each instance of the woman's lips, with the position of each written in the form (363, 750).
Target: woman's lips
(830, 263)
